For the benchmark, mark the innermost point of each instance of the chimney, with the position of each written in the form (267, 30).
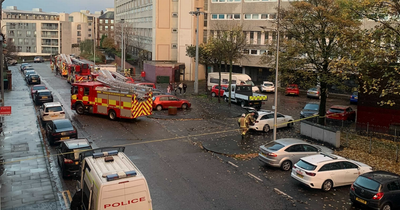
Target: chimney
(37, 9)
(11, 7)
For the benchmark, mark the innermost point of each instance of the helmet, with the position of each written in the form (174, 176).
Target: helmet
(243, 115)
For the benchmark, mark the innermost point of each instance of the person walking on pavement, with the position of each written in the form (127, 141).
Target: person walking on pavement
(180, 87)
(169, 88)
(184, 88)
(143, 75)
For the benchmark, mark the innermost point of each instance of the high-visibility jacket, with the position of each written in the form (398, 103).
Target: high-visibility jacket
(243, 123)
(250, 118)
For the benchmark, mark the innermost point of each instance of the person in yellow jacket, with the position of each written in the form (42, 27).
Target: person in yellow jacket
(244, 122)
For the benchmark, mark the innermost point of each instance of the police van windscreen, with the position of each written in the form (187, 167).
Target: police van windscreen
(249, 82)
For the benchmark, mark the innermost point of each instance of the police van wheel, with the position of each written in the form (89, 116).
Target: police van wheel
(266, 128)
(79, 109)
(112, 115)
(243, 104)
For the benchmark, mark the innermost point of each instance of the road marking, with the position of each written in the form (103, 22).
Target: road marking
(252, 175)
(282, 193)
(65, 198)
(233, 164)
(69, 196)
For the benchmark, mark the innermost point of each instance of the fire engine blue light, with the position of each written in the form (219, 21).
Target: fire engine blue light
(131, 173)
(112, 177)
(103, 154)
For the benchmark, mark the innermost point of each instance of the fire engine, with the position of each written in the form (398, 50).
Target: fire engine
(78, 71)
(111, 95)
(62, 63)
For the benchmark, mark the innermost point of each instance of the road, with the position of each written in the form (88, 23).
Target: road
(183, 176)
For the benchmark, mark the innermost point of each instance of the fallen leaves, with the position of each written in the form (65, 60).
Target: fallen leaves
(247, 156)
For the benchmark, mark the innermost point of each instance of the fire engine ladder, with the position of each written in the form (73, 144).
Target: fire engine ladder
(66, 58)
(106, 77)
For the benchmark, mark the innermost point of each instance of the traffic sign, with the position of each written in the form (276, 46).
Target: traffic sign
(5, 110)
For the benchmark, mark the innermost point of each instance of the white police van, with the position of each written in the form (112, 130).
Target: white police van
(110, 181)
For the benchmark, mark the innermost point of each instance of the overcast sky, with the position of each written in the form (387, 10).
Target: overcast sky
(66, 6)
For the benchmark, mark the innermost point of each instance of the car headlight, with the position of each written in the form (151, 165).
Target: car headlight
(301, 113)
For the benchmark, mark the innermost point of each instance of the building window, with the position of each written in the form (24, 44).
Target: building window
(112, 21)
(253, 52)
(264, 16)
(90, 35)
(10, 33)
(28, 49)
(28, 33)
(79, 40)
(71, 19)
(101, 20)
(106, 28)
(78, 27)
(26, 41)
(20, 41)
(33, 42)
(19, 48)
(112, 27)
(106, 21)
(78, 33)
(89, 29)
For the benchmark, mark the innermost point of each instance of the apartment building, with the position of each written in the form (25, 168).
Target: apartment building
(83, 26)
(161, 27)
(105, 25)
(36, 32)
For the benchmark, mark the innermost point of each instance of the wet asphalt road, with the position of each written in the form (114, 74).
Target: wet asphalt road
(183, 176)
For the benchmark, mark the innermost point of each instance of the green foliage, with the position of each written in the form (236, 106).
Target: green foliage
(86, 46)
(108, 43)
(102, 40)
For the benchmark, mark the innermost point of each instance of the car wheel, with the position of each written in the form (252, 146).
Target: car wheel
(184, 106)
(386, 206)
(213, 94)
(159, 107)
(225, 99)
(327, 185)
(286, 165)
(112, 115)
(79, 109)
(290, 124)
(243, 104)
(266, 128)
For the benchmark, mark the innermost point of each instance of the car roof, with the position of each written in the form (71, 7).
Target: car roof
(61, 121)
(289, 141)
(39, 85)
(381, 176)
(23, 64)
(313, 102)
(49, 104)
(320, 158)
(35, 74)
(339, 107)
(76, 143)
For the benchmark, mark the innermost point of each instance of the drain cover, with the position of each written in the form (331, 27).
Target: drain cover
(20, 147)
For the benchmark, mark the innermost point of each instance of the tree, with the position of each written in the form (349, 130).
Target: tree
(86, 46)
(102, 40)
(108, 43)
(317, 33)
(10, 49)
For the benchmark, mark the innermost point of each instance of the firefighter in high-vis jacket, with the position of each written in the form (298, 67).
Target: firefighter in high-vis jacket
(244, 122)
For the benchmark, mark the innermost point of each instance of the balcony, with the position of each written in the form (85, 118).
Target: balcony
(49, 43)
(50, 28)
(54, 36)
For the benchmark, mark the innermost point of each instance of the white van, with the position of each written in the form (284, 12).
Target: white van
(237, 79)
(110, 180)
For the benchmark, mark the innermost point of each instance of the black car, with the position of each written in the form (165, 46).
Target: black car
(28, 72)
(33, 79)
(309, 110)
(42, 96)
(61, 129)
(68, 155)
(378, 190)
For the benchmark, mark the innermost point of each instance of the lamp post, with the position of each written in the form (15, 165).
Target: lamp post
(196, 76)
(1, 65)
(94, 43)
(122, 49)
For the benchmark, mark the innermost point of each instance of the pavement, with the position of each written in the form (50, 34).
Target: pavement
(25, 182)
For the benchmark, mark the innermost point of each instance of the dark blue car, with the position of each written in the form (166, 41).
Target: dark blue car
(354, 97)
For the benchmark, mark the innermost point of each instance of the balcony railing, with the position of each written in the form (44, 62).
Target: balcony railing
(49, 27)
(49, 36)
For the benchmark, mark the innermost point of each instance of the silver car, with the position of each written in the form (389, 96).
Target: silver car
(315, 92)
(284, 153)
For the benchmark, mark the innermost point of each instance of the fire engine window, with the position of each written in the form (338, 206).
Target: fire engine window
(86, 91)
(86, 195)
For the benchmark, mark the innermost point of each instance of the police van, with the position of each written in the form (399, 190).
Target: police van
(109, 180)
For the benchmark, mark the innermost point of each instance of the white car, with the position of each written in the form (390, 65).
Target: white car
(267, 87)
(51, 111)
(265, 121)
(325, 171)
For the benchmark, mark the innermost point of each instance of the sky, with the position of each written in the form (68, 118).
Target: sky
(67, 6)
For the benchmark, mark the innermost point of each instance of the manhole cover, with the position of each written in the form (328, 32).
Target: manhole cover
(20, 147)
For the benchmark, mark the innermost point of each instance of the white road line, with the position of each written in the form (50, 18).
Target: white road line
(233, 164)
(282, 193)
(252, 175)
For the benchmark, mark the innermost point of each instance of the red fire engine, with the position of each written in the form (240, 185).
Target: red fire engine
(111, 95)
(78, 71)
(62, 63)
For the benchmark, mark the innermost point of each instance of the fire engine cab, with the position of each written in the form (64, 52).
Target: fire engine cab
(78, 71)
(109, 180)
(111, 95)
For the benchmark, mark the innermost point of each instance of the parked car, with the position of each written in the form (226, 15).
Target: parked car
(310, 109)
(376, 190)
(292, 89)
(28, 72)
(216, 89)
(22, 66)
(36, 88)
(338, 112)
(325, 171)
(315, 92)
(11, 61)
(51, 111)
(265, 121)
(42, 96)
(38, 59)
(33, 79)
(27, 67)
(68, 155)
(147, 84)
(284, 153)
(267, 87)
(60, 129)
(164, 101)
(354, 98)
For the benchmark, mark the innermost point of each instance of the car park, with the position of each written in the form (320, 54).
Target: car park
(378, 190)
(339, 112)
(42, 96)
(161, 102)
(292, 89)
(33, 79)
(354, 98)
(216, 89)
(60, 129)
(325, 171)
(68, 155)
(267, 87)
(51, 111)
(36, 88)
(38, 59)
(265, 121)
(310, 109)
(284, 153)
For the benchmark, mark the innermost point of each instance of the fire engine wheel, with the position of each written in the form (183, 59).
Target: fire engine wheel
(112, 115)
(79, 109)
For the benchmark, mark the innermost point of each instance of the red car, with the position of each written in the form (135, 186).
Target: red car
(338, 112)
(148, 84)
(161, 102)
(215, 89)
(292, 89)
(37, 87)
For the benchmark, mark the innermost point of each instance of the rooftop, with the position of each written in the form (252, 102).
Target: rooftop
(35, 11)
(107, 15)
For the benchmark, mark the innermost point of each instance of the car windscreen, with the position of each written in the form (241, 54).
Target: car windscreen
(249, 82)
(39, 88)
(63, 125)
(34, 76)
(273, 146)
(367, 183)
(355, 93)
(44, 93)
(333, 110)
(293, 86)
(313, 89)
(305, 165)
(313, 107)
(268, 85)
(54, 109)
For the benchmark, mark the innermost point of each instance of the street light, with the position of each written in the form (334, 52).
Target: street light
(196, 76)
(122, 50)
(94, 42)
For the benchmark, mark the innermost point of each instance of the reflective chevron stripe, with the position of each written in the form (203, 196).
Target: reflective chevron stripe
(258, 98)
